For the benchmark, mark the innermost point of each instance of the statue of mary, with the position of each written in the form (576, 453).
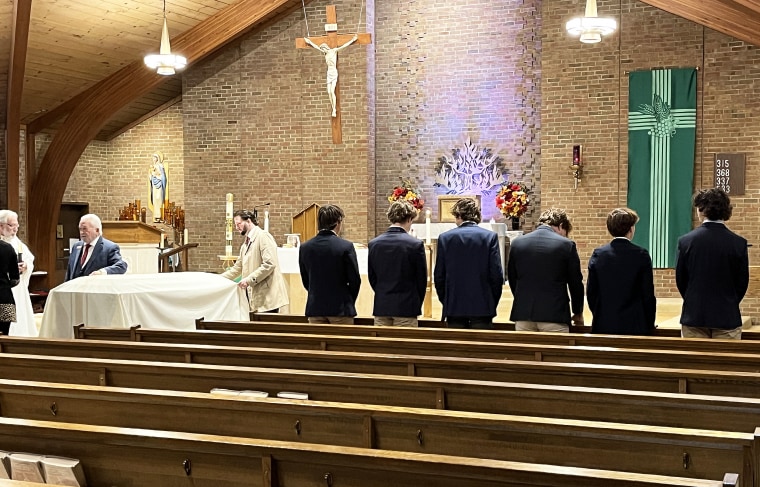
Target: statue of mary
(159, 186)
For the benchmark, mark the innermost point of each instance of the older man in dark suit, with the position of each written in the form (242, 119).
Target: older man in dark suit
(620, 287)
(468, 275)
(397, 270)
(543, 266)
(94, 255)
(330, 271)
(712, 271)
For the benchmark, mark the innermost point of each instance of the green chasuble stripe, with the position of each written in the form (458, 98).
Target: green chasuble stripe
(661, 141)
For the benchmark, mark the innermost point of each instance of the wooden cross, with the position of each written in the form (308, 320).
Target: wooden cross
(333, 40)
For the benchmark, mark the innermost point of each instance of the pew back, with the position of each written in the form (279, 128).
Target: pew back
(657, 379)
(612, 405)
(120, 456)
(449, 348)
(748, 344)
(633, 448)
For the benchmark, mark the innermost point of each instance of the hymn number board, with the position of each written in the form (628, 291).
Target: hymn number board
(729, 173)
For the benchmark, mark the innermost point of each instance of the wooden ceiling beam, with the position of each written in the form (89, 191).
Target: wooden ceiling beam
(22, 10)
(107, 97)
(739, 19)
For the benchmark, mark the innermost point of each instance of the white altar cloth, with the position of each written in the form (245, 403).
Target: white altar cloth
(172, 300)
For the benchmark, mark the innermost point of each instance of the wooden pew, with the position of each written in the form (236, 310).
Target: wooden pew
(589, 444)
(431, 323)
(745, 345)
(726, 383)
(450, 348)
(562, 401)
(124, 456)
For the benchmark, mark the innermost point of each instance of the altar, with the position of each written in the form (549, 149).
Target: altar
(288, 258)
(169, 300)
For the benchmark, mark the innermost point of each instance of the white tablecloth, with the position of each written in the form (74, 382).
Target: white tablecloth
(288, 258)
(171, 300)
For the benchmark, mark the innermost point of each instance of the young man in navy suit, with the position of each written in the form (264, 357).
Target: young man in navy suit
(94, 255)
(330, 271)
(543, 266)
(398, 270)
(712, 271)
(468, 275)
(620, 287)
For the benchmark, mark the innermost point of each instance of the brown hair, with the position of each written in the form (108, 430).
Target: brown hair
(401, 211)
(620, 221)
(556, 217)
(466, 209)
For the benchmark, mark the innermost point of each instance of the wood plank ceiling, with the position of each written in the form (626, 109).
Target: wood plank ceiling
(73, 44)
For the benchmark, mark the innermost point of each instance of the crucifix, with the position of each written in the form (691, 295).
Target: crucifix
(330, 44)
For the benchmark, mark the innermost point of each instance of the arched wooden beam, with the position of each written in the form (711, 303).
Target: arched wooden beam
(108, 96)
(22, 10)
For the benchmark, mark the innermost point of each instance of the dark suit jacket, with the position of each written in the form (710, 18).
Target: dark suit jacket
(330, 274)
(9, 276)
(620, 289)
(543, 266)
(712, 275)
(468, 275)
(397, 273)
(105, 255)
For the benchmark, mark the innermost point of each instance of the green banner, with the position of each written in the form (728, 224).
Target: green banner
(661, 139)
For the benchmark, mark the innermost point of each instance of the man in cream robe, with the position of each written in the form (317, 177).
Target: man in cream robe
(25, 324)
(258, 266)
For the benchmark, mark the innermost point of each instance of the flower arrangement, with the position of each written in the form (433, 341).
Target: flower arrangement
(406, 192)
(512, 200)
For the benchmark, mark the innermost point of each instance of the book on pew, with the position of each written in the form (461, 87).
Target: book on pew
(5, 465)
(292, 395)
(26, 466)
(225, 392)
(258, 394)
(63, 471)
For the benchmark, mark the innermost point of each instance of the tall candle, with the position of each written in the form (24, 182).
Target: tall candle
(186, 237)
(427, 227)
(163, 241)
(228, 212)
(266, 220)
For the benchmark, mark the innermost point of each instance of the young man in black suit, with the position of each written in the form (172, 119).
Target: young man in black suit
(712, 271)
(620, 287)
(397, 270)
(543, 266)
(330, 271)
(468, 275)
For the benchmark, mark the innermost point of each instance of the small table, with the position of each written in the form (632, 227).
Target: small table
(227, 261)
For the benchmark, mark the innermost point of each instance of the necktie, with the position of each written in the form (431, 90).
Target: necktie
(247, 244)
(84, 255)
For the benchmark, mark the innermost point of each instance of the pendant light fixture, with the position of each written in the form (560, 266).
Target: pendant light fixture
(591, 27)
(165, 62)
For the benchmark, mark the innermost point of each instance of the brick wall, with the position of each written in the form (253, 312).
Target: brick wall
(257, 124)
(449, 71)
(585, 98)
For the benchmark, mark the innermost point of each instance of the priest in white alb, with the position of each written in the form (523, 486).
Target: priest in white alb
(24, 324)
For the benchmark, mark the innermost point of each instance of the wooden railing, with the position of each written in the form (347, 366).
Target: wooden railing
(184, 265)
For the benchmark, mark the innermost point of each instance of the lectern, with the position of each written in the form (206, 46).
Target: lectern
(305, 222)
(138, 242)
